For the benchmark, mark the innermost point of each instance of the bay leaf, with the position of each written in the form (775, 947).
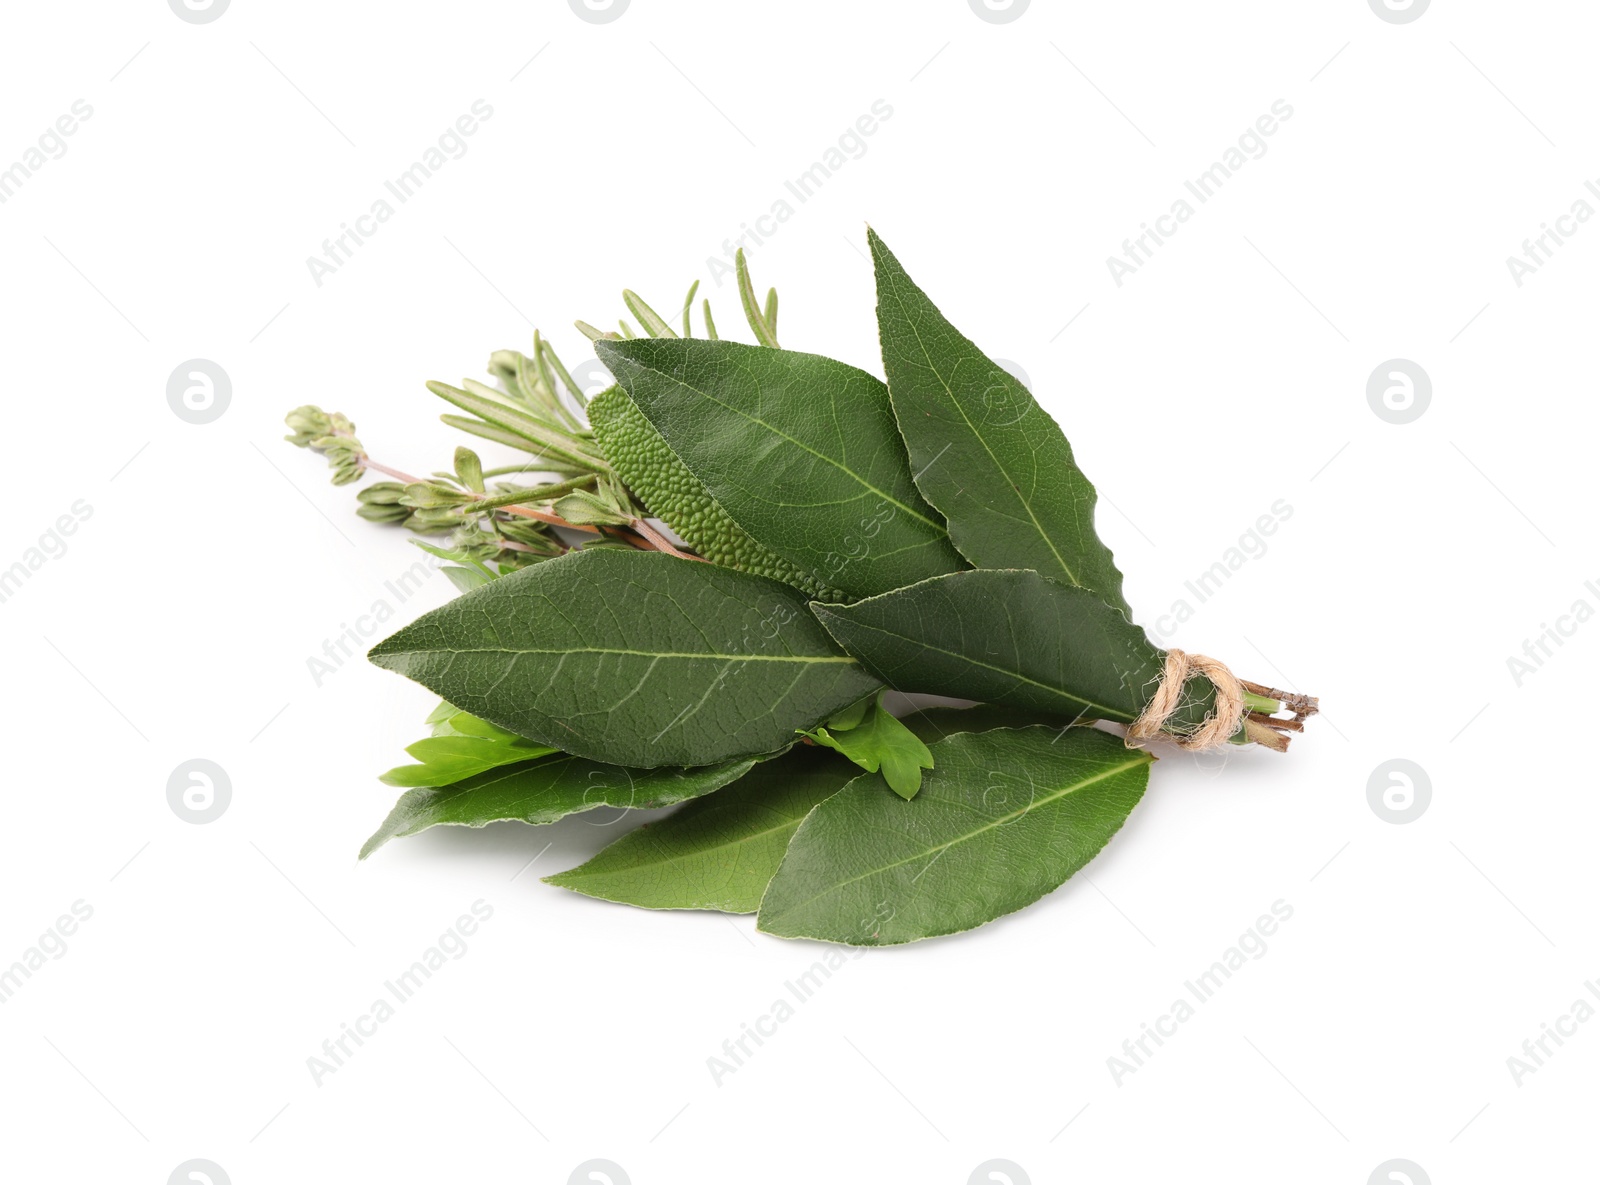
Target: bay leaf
(934, 724)
(633, 658)
(719, 851)
(1004, 817)
(985, 454)
(544, 790)
(1015, 639)
(801, 451)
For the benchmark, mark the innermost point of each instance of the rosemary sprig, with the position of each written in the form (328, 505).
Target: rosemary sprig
(539, 409)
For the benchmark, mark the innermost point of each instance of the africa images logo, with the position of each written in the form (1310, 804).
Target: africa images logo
(999, 12)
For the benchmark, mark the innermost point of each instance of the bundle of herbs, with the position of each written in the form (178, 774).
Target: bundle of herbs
(739, 550)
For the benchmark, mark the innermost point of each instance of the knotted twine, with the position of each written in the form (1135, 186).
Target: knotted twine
(1220, 723)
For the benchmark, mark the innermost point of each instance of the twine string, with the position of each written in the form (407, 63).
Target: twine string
(1220, 723)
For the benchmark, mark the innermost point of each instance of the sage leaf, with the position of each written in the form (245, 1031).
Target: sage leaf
(1004, 817)
(544, 790)
(719, 851)
(879, 743)
(633, 658)
(801, 451)
(985, 454)
(1011, 638)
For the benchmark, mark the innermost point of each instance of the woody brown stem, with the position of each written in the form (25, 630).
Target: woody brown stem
(1301, 705)
(660, 542)
(367, 462)
(1262, 735)
(545, 516)
(1274, 722)
(624, 535)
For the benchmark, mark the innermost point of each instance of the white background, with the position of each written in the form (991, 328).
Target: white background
(1228, 373)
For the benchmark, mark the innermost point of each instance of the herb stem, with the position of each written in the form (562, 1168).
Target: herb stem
(1290, 725)
(630, 538)
(1292, 701)
(659, 541)
(1260, 703)
(545, 516)
(508, 470)
(367, 462)
(1261, 734)
(513, 545)
(532, 493)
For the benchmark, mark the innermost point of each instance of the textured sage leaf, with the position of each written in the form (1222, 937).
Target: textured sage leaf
(545, 790)
(801, 451)
(879, 743)
(717, 852)
(986, 455)
(1004, 817)
(633, 658)
(1012, 638)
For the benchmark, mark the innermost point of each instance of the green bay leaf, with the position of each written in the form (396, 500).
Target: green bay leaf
(934, 724)
(986, 455)
(1015, 639)
(633, 658)
(716, 852)
(1003, 818)
(544, 790)
(801, 451)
